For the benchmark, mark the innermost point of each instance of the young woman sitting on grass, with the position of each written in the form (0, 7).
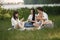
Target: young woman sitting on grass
(42, 19)
(16, 23)
(31, 18)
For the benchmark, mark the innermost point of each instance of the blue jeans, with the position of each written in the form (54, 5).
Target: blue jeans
(28, 24)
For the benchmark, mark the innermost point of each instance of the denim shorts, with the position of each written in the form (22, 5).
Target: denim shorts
(28, 24)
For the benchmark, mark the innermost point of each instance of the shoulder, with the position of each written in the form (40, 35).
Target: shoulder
(44, 13)
(12, 19)
(30, 15)
(36, 14)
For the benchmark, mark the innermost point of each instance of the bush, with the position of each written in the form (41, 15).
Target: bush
(24, 12)
(52, 10)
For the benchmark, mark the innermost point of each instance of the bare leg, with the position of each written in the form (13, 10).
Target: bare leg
(21, 24)
(37, 26)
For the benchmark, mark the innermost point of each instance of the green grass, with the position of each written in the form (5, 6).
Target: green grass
(43, 34)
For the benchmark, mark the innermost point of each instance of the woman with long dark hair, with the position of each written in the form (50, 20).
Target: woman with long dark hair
(31, 18)
(16, 23)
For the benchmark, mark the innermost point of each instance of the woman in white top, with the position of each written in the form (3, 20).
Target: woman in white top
(16, 23)
(31, 18)
(42, 18)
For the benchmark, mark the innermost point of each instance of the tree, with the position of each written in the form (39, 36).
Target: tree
(41, 1)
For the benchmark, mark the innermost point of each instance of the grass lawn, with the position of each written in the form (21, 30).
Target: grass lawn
(43, 34)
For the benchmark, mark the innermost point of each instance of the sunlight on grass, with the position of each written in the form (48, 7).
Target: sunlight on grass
(43, 34)
(54, 35)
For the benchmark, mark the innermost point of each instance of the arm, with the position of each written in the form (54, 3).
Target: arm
(22, 19)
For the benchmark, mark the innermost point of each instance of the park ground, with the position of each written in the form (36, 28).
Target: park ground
(43, 34)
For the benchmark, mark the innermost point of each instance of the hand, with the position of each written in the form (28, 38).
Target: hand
(22, 19)
(33, 21)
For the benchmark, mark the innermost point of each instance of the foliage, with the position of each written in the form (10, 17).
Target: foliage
(41, 1)
(52, 10)
(24, 12)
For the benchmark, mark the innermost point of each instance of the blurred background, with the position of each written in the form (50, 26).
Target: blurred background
(7, 7)
(42, 1)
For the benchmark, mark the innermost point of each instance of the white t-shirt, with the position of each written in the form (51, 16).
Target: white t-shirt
(45, 16)
(30, 17)
(14, 22)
